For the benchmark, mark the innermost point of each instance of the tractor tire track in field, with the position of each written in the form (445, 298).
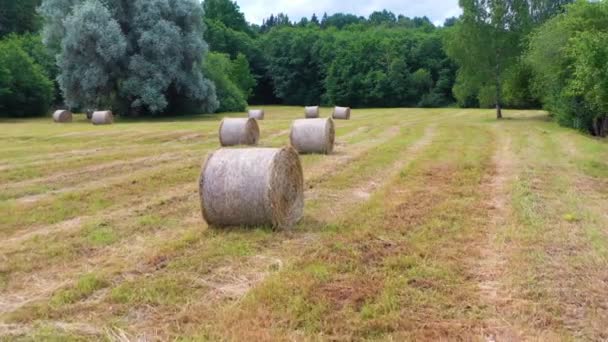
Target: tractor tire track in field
(343, 155)
(363, 191)
(490, 267)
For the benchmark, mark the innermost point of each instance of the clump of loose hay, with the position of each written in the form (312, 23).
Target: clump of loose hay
(257, 114)
(313, 135)
(341, 113)
(62, 116)
(252, 187)
(102, 118)
(312, 112)
(239, 132)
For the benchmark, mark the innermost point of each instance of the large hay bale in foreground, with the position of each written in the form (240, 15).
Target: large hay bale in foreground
(62, 116)
(312, 112)
(313, 135)
(341, 113)
(252, 187)
(257, 114)
(239, 132)
(102, 118)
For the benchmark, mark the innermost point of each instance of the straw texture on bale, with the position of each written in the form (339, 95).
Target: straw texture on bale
(62, 116)
(252, 187)
(102, 118)
(313, 135)
(341, 113)
(239, 132)
(312, 112)
(257, 114)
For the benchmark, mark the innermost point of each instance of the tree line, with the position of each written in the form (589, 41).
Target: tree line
(153, 57)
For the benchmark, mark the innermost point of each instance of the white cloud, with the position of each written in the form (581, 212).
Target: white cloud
(437, 10)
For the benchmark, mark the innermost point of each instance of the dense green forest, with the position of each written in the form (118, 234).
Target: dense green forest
(148, 57)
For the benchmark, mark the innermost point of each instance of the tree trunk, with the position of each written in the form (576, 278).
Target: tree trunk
(498, 87)
(601, 126)
(498, 112)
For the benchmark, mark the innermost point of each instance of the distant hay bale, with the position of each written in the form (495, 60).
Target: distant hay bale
(257, 114)
(313, 135)
(239, 132)
(341, 113)
(312, 112)
(62, 116)
(252, 187)
(102, 118)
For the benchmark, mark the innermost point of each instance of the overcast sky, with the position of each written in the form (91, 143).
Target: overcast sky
(437, 10)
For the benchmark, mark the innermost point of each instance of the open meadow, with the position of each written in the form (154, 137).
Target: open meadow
(423, 224)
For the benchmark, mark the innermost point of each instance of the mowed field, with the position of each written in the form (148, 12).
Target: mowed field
(424, 224)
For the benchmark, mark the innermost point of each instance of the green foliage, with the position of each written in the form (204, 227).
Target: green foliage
(226, 12)
(568, 55)
(342, 59)
(86, 286)
(226, 40)
(483, 44)
(341, 20)
(387, 67)
(135, 57)
(32, 45)
(487, 42)
(229, 77)
(295, 64)
(518, 87)
(18, 16)
(240, 74)
(25, 89)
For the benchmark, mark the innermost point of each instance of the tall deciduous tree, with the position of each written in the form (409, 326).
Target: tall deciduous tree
(141, 56)
(487, 41)
(91, 55)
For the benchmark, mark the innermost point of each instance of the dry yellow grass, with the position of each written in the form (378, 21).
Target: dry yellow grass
(423, 225)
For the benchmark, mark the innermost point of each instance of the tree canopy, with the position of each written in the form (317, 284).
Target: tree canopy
(141, 56)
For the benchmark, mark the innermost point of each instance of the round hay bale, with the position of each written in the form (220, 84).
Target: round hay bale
(252, 187)
(239, 132)
(62, 116)
(312, 112)
(257, 114)
(313, 135)
(341, 113)
(102, 118)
